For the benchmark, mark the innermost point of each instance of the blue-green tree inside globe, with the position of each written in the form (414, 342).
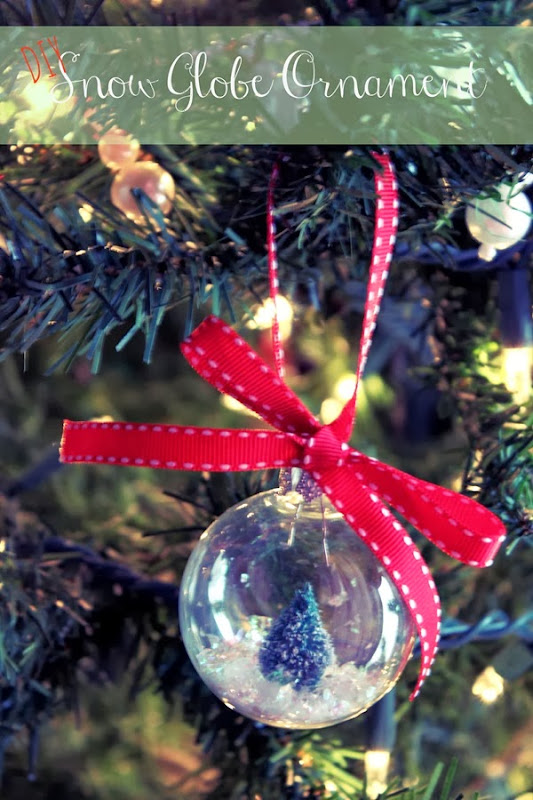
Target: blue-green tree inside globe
(297, 649)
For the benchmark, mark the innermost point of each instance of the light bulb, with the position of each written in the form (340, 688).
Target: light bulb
(517, 363)
(155, 182)
(499, 224)
(37, 95)
(118, 149)
(39, 102)
(86, 212)
(344, 387)
(488, 686)
(330, 410)
(263, 316)
(376, 771)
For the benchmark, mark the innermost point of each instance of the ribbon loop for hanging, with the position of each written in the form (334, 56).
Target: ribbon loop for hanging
(363, 489)
(385, 228)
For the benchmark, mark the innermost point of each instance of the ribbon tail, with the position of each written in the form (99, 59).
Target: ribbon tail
(374, 523)
(176, 447)
(458, 525)
(229, 364)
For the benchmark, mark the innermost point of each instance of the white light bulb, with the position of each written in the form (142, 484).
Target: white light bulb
(86, 212)
(488, 686)
(499, 224)
(517, 363)
(263, 316)
(344, 387)
(376, 771)
(330, 410)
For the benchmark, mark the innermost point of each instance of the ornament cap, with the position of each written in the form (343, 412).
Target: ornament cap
(297, 480)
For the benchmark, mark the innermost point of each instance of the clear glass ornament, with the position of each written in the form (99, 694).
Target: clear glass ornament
(499, 224)
(289, 617)
(156, 182)
(117, 149)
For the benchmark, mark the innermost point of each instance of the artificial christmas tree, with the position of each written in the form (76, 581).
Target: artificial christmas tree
(100, 303)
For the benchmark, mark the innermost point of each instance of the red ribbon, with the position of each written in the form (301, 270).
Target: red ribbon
(361, 488)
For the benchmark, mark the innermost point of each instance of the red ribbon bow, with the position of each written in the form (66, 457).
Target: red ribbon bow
(360, 487)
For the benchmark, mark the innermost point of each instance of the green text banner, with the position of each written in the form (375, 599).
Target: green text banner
(268, 85)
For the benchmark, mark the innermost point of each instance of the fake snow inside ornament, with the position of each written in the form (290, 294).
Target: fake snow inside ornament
(289, 617)
(156, 182)
(117, 149)
(499, 224)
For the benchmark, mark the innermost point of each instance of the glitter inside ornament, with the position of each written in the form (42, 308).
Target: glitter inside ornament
(156, 182)
(499, 224)
(289, 617)
(117, 149)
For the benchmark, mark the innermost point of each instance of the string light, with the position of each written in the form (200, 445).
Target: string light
(376, 771)
(344, 387)
(516, 327)
(37, 97)
(86, 212)
(343, 390)
(509, 664)
(489, 686)
(263, 316)
(39, 104)
(517, 364)
(499, 224)
(330, 410)
(381, 735)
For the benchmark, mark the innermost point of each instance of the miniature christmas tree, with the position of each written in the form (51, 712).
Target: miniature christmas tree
(297, 649)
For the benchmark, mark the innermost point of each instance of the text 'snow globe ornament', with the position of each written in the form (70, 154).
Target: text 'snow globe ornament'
(289, 617)
(154, 181)
(499, 224)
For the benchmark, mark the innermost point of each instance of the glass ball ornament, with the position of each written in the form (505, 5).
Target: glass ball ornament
(499, 224)
(117, 149)
(156, 182)
(288, 616)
